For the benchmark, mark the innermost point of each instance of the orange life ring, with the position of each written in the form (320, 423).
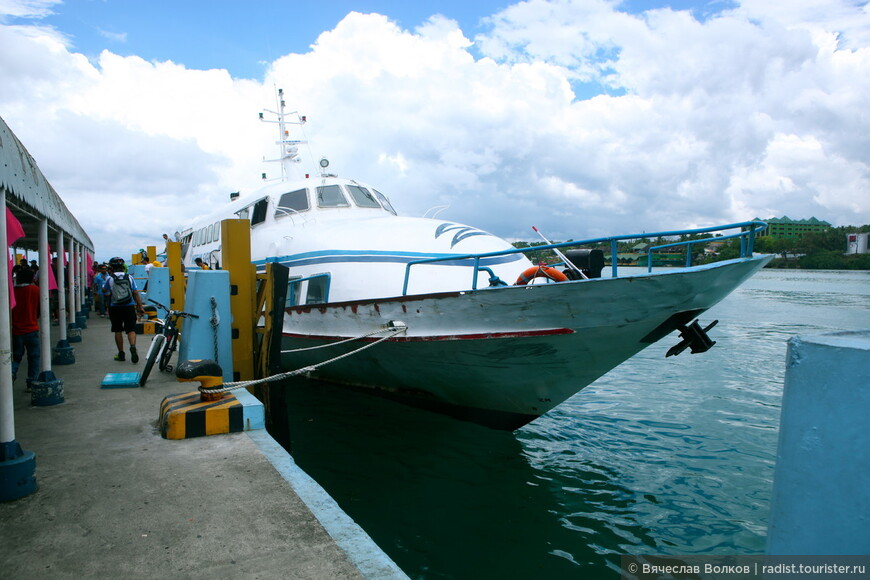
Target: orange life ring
(540, 272)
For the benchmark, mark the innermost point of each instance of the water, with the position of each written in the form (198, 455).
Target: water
(659, 456)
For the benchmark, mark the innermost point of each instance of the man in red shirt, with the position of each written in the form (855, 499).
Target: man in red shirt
(25, 325)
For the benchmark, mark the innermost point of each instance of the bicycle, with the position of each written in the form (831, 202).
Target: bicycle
(163, 345)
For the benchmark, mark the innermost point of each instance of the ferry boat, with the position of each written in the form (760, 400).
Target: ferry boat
(454, 318)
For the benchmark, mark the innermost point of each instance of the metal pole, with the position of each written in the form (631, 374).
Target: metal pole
(7, 411)
(614, 250)
(61, 288)
(44, 307)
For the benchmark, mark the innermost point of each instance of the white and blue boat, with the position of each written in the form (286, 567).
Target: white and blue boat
(470, 326)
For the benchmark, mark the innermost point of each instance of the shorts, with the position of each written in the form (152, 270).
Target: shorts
(123, 318)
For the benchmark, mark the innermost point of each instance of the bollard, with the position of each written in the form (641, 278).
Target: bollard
(202, 413)
(207, 372)
(63, 354)
(81, 321)
(46, 390)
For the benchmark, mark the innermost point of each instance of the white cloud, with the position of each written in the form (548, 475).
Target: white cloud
(751, 112)
(26, 8)
(113, 36)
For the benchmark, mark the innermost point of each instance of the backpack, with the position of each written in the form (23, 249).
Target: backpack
(121, 290)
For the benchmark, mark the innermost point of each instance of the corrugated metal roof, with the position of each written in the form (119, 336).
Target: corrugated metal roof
(31, 197)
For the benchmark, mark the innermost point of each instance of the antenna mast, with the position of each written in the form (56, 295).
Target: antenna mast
(289, 148)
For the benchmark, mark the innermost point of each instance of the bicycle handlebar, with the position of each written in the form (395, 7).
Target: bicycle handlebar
(170, 312)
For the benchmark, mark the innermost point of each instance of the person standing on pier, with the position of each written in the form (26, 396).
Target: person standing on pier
(100, 297)
(124, 304)
(25, 325)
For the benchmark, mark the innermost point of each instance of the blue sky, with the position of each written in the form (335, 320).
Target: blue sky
(238, 36)
(583, 117)
(243, 37)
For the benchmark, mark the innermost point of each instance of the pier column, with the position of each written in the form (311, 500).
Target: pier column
(76, 281)
(47, 389)
(821, 487)
(75, 333)
(83, 279)
(63, 353)
(17, 467)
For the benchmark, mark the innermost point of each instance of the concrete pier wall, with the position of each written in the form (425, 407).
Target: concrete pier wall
(821, 490)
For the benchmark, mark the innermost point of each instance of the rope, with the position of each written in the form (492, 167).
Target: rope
(227, 387)
(336, 343)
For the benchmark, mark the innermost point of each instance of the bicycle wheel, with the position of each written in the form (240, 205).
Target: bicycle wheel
(154, 352)
(166, 355)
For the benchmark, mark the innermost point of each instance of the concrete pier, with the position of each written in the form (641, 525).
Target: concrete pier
(821, 488)
(116, 500)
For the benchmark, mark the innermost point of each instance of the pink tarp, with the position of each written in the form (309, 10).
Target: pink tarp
(14, 232)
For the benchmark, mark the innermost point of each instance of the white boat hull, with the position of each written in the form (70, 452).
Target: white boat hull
(504, 356)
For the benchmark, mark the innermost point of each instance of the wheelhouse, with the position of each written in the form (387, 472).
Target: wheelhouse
(273, 204)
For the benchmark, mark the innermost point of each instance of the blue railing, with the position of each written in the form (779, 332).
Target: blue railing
(746, 235)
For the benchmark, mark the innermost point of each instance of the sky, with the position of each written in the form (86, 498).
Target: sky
(585, 118)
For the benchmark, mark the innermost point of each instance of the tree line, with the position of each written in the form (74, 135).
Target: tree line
(813, 251)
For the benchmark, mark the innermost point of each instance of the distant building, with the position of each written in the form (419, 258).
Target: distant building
(713, 248)
(786, 227)
(858, 243)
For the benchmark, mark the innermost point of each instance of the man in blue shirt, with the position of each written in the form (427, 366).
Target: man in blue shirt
(100, 298)
(124, 305)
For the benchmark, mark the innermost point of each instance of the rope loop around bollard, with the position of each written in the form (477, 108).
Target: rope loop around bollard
(227, 387)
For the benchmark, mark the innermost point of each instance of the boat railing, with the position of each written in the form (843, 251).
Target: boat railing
(746, 235)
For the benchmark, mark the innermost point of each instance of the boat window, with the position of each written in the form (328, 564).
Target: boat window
(217, 232)
(309, 290)
(291, 202)
(316, 293)
(259, 214)
(209, 234)
(292, 293)
(362, 197)
(384, 201)
(330, 196)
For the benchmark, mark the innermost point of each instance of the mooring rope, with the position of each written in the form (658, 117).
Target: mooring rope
(336, 343)
(227, 387)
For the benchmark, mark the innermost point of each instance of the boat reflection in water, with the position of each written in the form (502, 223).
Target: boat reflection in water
(451, 499)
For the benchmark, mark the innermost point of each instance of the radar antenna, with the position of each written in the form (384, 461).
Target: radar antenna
(289, 148)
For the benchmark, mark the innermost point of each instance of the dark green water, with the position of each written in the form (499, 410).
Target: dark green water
(659, 456)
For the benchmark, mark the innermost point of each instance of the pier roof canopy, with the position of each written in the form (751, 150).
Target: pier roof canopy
(31, 197)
